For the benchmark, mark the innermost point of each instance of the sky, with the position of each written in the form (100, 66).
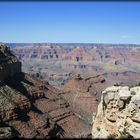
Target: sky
(70, 22)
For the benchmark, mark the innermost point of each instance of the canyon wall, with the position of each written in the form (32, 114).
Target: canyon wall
(9, 65)
(59, 63)
(32, 108)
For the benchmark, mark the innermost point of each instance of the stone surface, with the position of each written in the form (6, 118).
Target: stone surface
(118, 114)
(6, 132)
(9, 65)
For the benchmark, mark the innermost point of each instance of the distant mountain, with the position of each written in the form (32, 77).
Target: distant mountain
(73, 44)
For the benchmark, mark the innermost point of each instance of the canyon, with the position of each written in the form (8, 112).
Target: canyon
(81, 70)
(56, 90)
(60, 63)
(32, 108)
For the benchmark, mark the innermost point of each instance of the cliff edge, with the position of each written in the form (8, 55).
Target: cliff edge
(9, 64)
(118, 114)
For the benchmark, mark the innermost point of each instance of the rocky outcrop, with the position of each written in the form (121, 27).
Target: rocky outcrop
(9, 65)
(118, 113)
(6, 132)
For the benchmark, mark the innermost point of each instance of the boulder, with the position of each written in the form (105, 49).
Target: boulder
(118, 114)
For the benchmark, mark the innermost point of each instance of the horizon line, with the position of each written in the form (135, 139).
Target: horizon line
(68, 43)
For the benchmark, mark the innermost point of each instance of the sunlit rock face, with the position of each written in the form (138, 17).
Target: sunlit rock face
(118, 113)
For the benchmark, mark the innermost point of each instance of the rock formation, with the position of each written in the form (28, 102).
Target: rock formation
(9, 65)
(6, 132)
(32, 108)
(83, 95)
(118, 114)
(58, 63)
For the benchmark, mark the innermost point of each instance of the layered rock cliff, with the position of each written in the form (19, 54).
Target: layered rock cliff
(83, 95)
(32, 108)
(58, 63)
(9, 65)
(118, 114)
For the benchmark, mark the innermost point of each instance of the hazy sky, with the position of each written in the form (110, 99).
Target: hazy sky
(89, 22)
